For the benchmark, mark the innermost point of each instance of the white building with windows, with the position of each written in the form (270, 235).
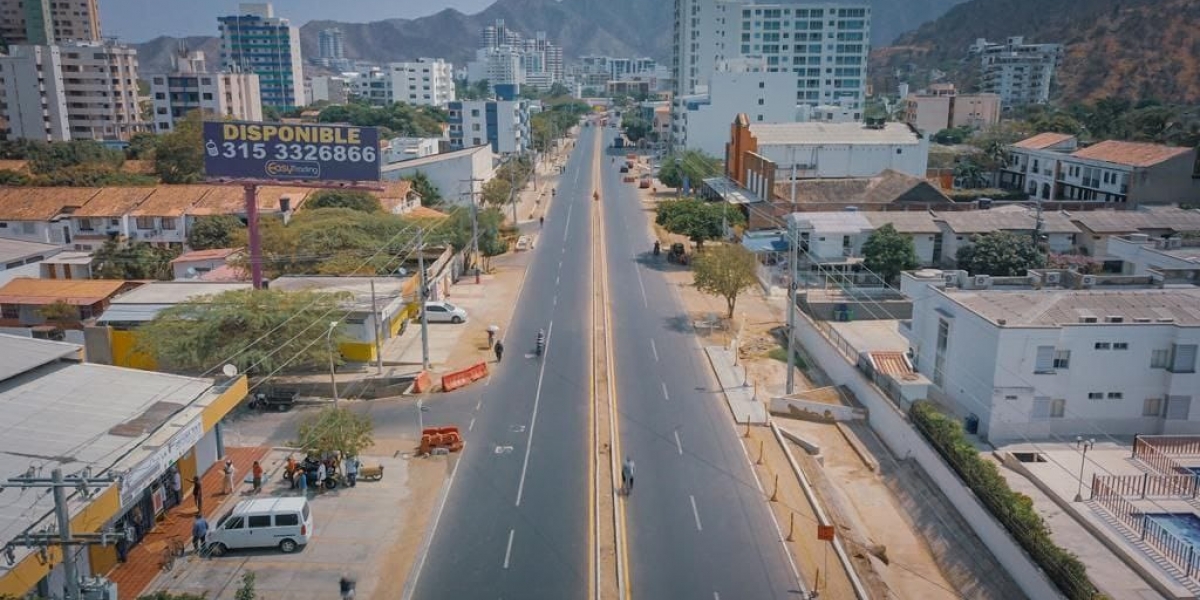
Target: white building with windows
(1058, 353)
(426, 81)
(1019, 73)
(191, 87)
(502, 123)
(701, 121)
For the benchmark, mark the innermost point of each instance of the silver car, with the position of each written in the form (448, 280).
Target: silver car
(444, 312)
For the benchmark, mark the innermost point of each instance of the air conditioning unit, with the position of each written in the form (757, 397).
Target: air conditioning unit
(1053, 278)
(981, 281)
(1088, 281)
(951, 278)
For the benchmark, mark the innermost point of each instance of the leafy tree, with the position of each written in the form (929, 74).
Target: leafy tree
(695, 165)
(474, 90)
(142, 145)
(397, 118)
(214, 231)
(138, 260)
(953, 136)
(497, 192)
(887, 252)
(92, 175)
(335, 429)
(179, 155)
(351, 199)
(1056, 122)
(491, 245)
(49, 158)
(696, 219)
(726, 270)
(970, 174)
(10, 178)
(263, 330)
(246, 591)
(271, 114)
(1000, 254)
(636, 128)
(60, 314)
(430, 195)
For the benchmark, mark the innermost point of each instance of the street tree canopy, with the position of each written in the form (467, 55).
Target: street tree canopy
(696, 219)
(726, 270)
(1000, 254)
(262, 330)
(351, 199)
(695, 165)
(179, 155)
(335, 429)
(430, 195)
(139, 260)
(887, 252)
(636, 128)
(214, 231)
(397, 118)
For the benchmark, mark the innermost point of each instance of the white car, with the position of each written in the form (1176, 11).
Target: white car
(524, 243)
(285, 523)
(444, 312)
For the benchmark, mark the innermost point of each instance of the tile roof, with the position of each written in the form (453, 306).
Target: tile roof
(1065, 307)
(269, 197)
(1005, 218)
(210, 254)
(1171, 218)
(114, 201)
(221, 200)
(27, 290)
(888, 187)
(1133, 154)
(424, 212)
(170, 200)
(226, 273)
(393, 195)
(1042, 141)
(41, 203)
(892, 363)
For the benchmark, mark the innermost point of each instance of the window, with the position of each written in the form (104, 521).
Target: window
(1115, 395)
(1058, 407)
(256, 521)
(1103, 346)
(1095, 395)
(145, 222)
(1152, 407)
(10, 311)
(1120, 345)
(168, 222)
(286, 520)
(1160, 359)
(233, 523)
(1183, 358)
(85, 224)
(1044, 362)
(1062, 359)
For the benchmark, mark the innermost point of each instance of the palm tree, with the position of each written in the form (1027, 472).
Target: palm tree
(969, 174)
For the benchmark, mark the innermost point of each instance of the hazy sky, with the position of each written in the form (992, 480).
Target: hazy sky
(141, 20)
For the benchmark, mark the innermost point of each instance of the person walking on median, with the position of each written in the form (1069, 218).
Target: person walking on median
(197, 495)
(199, 532)
(499, 350)
(229, 472)
(352, 465)
(257, 471)
(627, 476)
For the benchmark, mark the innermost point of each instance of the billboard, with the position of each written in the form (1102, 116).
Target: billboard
(285, 152)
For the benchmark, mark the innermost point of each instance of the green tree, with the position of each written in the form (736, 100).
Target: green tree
(214, 231)
(179, 155)
(497, 192)
(636, 128)
(271, 114)
(969, 173)
(430, 195)
(397, 118)
(696, 219)
(246, 591)
(1000, 254)
(263, 330)
(351, 199)
(9, 178)
(491, 245)
(60, 314)
(887, 252)
(726, 270)
(138, 260)
(142, 145)
(335, 429)
(46, 159)
(695, 165)
(953, 136)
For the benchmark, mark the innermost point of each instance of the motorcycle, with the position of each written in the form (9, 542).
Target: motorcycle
(657, 249)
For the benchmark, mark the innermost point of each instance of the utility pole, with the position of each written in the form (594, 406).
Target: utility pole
(513, 192)
(376, 317)
(474, 224)
(63, 538)
(424, 316)
(793, 286)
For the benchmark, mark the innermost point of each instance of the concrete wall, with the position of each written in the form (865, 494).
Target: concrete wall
(451, 176)
(1167, 182)
(852, 160)
(799, 408)
(903, 440)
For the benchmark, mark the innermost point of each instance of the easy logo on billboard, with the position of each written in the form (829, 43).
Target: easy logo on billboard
(301, 152)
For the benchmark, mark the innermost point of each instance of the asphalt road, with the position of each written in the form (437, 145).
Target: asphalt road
(515, 521)
(698, 524)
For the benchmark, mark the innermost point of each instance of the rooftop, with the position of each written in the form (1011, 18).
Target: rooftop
(1131, 154)
(210, 254)
(19, 354)
(80, 292)
(730, 191)
(777, 134)
(889, 187)
(1170, 218)
(387, 289)
(175, 292)
(1042, 141)
(41, 203)
(12, 250)
(840, 221)
(114, 201)
(913, 222)
(435, 158)
(171, 200)
(231, 200)
(1067, 307)
(1005, 218)
(70, 257)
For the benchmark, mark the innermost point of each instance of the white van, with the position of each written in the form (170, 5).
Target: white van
(285, 523)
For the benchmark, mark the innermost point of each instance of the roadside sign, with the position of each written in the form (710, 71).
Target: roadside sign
(287, 152)
(825, 533)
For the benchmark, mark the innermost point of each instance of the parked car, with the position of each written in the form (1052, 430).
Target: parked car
(285, 523)
(444, 312)
(624, 168)
(524, 243)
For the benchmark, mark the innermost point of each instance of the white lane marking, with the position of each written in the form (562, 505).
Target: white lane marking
(471, 426)
(537, 399)
(654, 348)
(678, 444)
(508, 551)
(716, 596)
(556, 300)
(641, 284)
(664, 388)
(411, 586)
(478, 404)
(696, 513)
(557, 279)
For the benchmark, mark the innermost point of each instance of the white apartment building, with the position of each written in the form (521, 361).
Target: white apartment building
(502, 123)
(458, 175)
(701, 121)
(1051, 166)
(407, 148)
(92, 87)
(1019, 73)
(335, 90)
(1082, 354)
(499, 66)
(942, 107)
(331, 45)
(372, 85)
(426, 81)
(43, 22)
(506, 58)
(1177, 258)
(191, 87)
(257, 41)
(837, 150)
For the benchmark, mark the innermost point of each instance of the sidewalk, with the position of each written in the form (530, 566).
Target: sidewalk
(739, 391)
(144, 561)
(533, 202)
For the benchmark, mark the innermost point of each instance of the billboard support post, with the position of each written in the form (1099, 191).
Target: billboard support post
(256, 272)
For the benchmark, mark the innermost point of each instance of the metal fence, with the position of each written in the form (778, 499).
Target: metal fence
(1180, 552)
(1111, 494)
(1147, 485)
(1116, 504)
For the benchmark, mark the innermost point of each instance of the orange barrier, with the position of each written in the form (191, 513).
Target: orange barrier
(423, 383)
(434, 438)
(458, 379)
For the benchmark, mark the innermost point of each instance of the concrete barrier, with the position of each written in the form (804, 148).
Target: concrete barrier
(809, 410)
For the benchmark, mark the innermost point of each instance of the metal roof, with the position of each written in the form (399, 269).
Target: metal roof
(770, 242)
(1066, 307)
(917, 221)
(1170, 218)
(831, 221)
(782, 134)
(730, 191)
(19, 354)
(170, 293)
(1005, 218)
(12, 249)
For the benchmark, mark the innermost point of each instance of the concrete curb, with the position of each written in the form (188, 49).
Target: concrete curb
(855, 443)
(859, 590)
(766, 418)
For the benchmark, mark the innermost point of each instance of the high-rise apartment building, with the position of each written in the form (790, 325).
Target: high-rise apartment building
(1019, 73)
(330, 44)
(42, 22)
(70, 91)
(427, 81)
(259, 42)
(190, 87)
(503, 124)
(507, 58)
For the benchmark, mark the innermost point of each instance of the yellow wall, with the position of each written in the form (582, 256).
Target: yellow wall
(123, 355)
(357, 351)
(217, 409)
(400, 317)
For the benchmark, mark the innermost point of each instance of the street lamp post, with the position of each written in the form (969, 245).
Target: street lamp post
(1083, 445)
(332, 373)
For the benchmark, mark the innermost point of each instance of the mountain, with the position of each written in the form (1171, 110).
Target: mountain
(1137, 49)
(581, 27)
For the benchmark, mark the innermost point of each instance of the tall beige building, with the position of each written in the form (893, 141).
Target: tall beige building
(191, 87)
(42, 22)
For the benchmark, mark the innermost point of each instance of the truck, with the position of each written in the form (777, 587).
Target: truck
(619, 142)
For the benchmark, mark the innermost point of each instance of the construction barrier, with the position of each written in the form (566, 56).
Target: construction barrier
(440, 438)
(423, 383)
(458, 379)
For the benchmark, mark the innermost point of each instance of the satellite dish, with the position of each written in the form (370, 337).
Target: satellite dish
(229, 370)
